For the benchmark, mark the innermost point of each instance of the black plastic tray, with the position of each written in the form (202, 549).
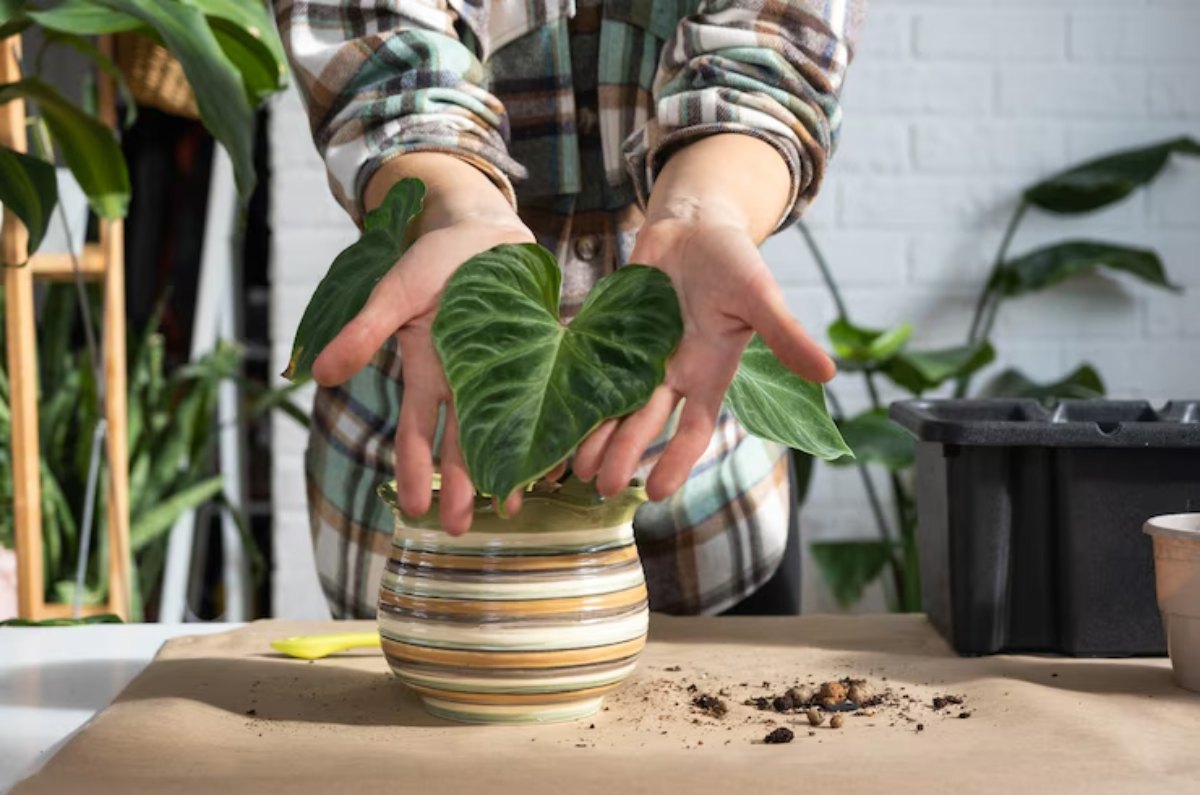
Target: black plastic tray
(1029, 519)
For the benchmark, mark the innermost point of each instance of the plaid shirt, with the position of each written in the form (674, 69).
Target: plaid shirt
(576, 103)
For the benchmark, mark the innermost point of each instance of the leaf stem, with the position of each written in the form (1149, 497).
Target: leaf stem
(823, 267)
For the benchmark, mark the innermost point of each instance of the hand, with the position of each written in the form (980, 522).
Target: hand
(712, 205)
(465, 213)
(726, 293)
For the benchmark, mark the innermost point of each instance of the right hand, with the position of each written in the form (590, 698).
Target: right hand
(464, 214)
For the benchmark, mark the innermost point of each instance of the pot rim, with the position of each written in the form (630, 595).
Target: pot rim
(1183, 526)
(573, 492)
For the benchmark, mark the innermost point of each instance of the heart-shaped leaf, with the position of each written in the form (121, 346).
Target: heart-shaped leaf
(920, 371)
(1050, 265)
(344, 291)
(527, 388)
(860, 348)
(774, 403)
(875, 439)
(84, 18)
(89, 147)
(28, 188)
(1105, 180)
(1081, 383)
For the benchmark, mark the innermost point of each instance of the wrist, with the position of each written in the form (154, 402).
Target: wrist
(730, 179)
(454, 189)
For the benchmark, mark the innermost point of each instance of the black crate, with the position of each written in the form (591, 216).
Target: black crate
(1030, 518)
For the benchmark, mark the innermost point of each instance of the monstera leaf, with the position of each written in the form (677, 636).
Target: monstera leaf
(355, 272)
(1082, 382)
(774, 403)
(875, 439)
(861, 348)
(528, 388)
(1050, 265)
(920, 371)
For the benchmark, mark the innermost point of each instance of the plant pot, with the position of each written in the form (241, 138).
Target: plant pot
(525, 620)
(1177, 579)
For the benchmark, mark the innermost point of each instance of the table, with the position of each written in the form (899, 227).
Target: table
(223, 713)
(54, 679)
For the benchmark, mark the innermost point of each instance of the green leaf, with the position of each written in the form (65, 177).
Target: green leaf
(27, 187)
(850, 566)
(1050, 265)
(104, 618)
(1105, 180)
(875, 439)
(527, 388)
(1083, 382)
(154, 523)
(84, 18)
(920, 371)
(220, 94)
(88, 145)
(344, 290)
(88, 49)
(13, 18)
(248, 38)
(774, 403)
(857, 347)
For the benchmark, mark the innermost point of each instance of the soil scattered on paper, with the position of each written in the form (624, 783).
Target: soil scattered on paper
(775, 714)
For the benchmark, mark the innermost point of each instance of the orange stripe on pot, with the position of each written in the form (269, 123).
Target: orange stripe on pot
(514, 698)
(513, 659)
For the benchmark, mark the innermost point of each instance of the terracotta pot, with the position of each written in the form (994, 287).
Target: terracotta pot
(525, 620)
(1177, 577)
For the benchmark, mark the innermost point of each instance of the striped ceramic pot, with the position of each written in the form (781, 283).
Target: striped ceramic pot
(524, 620)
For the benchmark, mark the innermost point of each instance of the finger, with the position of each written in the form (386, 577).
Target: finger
(630, 441)
(784, 335)
(556, 473)
(512, 506)
(457, 502)
(591, 451)
(691, 439)
(387, 309)
(414, 448)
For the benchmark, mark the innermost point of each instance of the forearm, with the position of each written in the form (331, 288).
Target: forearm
(727, 179)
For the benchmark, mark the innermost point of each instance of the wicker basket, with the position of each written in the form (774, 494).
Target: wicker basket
(154, 76)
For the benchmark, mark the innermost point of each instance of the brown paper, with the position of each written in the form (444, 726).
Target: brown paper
(222, 714)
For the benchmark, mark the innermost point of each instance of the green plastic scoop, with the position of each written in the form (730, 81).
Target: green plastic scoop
(314, 647)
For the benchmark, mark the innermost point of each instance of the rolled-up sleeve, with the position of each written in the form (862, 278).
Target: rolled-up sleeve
(772, 69)
(381, 78)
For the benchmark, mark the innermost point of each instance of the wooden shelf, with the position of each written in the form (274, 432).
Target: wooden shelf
(59, 267)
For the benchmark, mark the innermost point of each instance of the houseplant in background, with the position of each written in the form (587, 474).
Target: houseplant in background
(558, 589)
(232, 60)
(849, 566)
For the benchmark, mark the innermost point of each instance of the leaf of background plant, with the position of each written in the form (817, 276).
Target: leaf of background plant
(13, 18)
(1050, 265)
(1082, 382)
(88, 146)
(527, 388)
(774, 403)
(1105, 180)
(920, 371)
(875, 439)
(246, 34)
(86, 47)
(850, 566)
(154, 523)
(354, 273)
(28, 188)
(864, 345)
(220, 94)
(84, 18)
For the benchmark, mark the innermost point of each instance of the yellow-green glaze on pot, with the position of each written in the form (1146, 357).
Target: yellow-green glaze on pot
(525, 620)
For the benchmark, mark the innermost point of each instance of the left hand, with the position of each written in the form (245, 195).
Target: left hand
(726, 294)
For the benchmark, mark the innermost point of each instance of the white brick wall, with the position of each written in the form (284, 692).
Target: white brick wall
(951, 107)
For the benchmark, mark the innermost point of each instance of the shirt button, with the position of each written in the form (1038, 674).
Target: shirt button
(586, 248)
(586, 120)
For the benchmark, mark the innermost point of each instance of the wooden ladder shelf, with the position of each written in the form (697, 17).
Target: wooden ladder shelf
(101, 262)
